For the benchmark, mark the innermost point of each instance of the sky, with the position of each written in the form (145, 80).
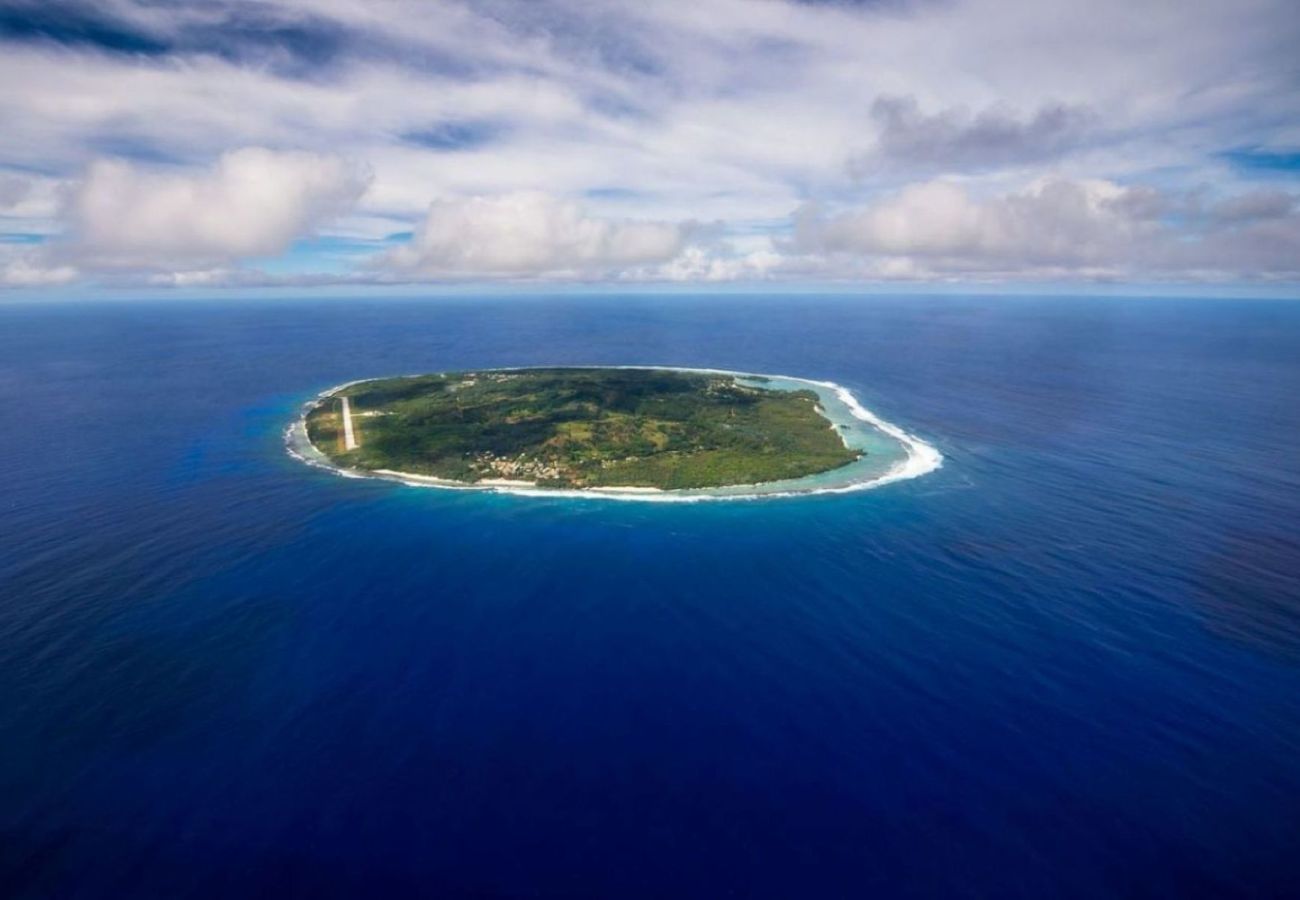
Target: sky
(230, 144)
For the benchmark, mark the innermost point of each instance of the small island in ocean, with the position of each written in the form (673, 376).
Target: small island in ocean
(567, 428)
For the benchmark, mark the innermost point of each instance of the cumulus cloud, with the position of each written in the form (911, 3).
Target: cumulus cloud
(954, 139)
(528, 234)
(252, 202)
(1057, 226)
(711, 263)
(1054, 221)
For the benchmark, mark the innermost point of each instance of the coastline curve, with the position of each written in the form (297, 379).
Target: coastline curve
(897, 454)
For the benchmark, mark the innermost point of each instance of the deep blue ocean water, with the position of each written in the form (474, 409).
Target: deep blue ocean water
(1067, 664)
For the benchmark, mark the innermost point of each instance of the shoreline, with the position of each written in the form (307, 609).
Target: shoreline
(920, 458)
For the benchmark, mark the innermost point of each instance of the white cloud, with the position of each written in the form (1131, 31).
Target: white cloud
(1056, 226)
(1052, 221)
(24, 272)
(713, 264)
(528, 234)
(252, 202)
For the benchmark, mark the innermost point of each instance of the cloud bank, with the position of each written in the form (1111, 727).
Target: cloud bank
(528, 233)
(1056, 227)
(238, 142)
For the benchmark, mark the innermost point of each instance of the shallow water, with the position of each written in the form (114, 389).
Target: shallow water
(1067, 663)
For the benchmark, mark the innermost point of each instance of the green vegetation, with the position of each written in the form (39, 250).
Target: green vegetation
(581, 428)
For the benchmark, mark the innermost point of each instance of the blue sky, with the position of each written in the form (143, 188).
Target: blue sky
(235, 145)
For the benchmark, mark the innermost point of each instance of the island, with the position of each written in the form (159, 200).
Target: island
(595, 428)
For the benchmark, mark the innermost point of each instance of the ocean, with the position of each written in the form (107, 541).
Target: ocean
(1064, 664)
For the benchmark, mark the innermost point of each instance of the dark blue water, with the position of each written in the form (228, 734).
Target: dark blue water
(1067, 664)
